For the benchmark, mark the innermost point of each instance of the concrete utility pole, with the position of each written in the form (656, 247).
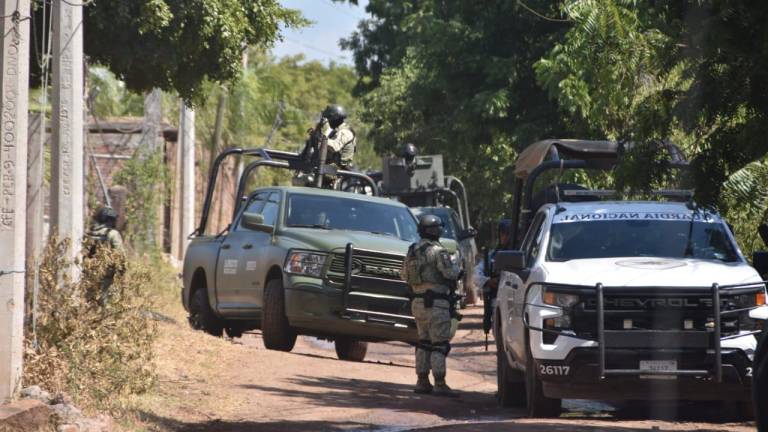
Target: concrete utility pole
(14, 88)
(187, 129)
(67, 124)
(153, 117)
(35, 190)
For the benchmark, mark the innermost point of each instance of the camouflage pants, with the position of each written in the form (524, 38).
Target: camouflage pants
(434, 328)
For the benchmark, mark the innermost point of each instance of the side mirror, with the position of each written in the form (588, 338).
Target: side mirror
(510, 261)
(255, 222)
(763, 231)
(467, 234)
(760, 262)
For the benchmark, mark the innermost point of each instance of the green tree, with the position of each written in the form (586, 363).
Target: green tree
(175, 45)
(693, 70)
(456, 78)
(291, 89)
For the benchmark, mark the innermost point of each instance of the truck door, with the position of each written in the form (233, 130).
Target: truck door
(515, 327)
(232, 266)
(255, 255)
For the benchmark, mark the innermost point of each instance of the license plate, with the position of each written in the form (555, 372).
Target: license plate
(658, 366)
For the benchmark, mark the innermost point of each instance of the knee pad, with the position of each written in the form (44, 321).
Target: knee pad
(443, 347)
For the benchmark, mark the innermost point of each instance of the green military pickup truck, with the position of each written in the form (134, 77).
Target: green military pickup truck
(305, 261)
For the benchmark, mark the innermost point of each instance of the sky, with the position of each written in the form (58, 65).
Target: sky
(320, 40)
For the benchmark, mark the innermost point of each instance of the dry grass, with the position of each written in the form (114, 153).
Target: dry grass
(94, 336)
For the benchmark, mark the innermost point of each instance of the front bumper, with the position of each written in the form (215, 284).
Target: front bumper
(315, 308)
(578, 376)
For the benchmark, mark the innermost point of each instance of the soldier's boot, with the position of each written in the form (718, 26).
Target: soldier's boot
(423, 386)
(442, 389)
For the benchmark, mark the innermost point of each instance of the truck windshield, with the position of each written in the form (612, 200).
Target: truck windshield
(336, 213)
(449, 228)
(640, 238)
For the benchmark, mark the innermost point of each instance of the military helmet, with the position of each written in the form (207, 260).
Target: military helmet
(106, 214)
(409, 152)
(505, 226)
(430, 226)
(334, 113)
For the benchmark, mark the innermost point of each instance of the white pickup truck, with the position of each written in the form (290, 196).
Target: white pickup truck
(636, 300)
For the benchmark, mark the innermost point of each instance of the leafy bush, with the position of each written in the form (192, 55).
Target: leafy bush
(93, 338)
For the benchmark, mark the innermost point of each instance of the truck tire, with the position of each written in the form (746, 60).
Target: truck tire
(539, 406)
(350, 349)
(275, 330)
(510, 383)
(201, 316)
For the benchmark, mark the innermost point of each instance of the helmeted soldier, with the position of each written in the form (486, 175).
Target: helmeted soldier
(486, 281)
(102, 235)
(409, 153)
(483, 281)
(341, 138)
(430, 271)
(104, 231)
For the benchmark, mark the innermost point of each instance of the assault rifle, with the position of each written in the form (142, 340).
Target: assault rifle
(315, 154)
(454, 296)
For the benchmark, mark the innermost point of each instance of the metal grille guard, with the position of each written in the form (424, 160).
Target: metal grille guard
(369, 315)
(715, 291)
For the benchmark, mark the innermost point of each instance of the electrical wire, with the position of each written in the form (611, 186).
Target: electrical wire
(320, 50)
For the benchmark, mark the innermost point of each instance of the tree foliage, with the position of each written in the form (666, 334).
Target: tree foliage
(175, 45)
(179, 44)
(479, 81)
(302, 88)
(694, 70)
(455, 77)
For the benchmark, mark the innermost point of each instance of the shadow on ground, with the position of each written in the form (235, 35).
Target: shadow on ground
(372, 394)
(247, 426)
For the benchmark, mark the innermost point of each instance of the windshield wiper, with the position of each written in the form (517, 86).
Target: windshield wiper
(382, 233)
(318, 226)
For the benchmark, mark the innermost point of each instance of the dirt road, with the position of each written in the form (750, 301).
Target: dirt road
(212, 384)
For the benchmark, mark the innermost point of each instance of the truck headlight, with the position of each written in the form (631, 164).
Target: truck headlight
(565, 302)
(560, 299)
(305, 263)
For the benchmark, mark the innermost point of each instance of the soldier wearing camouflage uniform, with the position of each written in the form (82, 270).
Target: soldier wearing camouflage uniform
(341, 138)
(429, 272)
(103, 231)
(104, 234)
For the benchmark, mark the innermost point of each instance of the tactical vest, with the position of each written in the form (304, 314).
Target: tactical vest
(96, 238)
(347, 153)
(423, 272)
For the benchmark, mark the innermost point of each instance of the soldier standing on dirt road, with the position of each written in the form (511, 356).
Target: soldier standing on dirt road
(429, 271)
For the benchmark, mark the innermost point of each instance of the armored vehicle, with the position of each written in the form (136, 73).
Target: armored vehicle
(420, 183)
(621, 300)
(302, 261)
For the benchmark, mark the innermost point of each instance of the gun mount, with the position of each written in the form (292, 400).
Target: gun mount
(351, 181)
(420, 181)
